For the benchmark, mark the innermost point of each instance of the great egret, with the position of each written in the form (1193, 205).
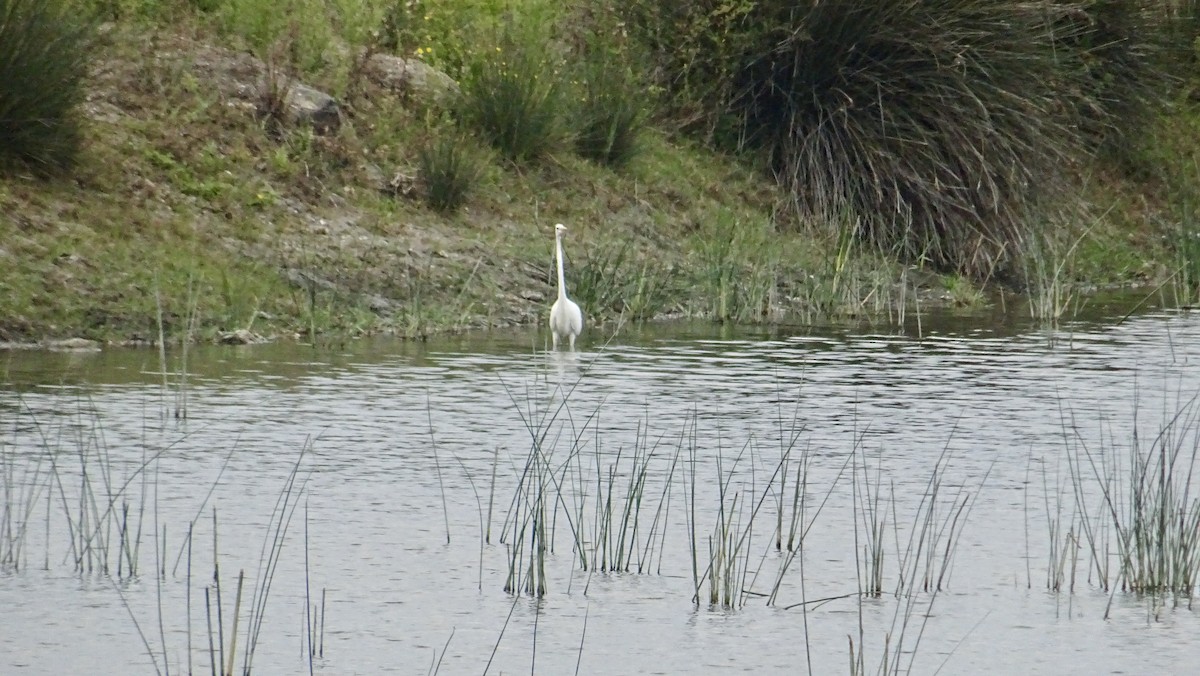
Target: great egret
(566, 319)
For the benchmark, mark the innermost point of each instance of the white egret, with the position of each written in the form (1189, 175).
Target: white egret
(566, 319)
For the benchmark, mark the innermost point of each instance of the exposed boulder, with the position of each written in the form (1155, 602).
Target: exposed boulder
(310, 106)
(239, 337)
(411, 78)
(246, 78)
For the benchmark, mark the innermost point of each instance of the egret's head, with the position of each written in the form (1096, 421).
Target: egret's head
(559, 228)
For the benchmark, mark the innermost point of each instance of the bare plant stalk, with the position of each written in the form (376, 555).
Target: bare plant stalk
(237, 607)
(212, 652)
(438, 465)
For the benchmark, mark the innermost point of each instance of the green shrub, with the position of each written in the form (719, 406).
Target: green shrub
(512, 97)
(450, 167)
(609, 113)
(939, 126)
(45, 53)
(1123, 53)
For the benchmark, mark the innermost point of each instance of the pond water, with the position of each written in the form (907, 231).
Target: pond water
(425, 472)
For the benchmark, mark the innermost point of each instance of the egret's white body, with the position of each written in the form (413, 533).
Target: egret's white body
(566, 319)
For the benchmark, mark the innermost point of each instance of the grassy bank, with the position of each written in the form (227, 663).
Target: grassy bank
(195, 208)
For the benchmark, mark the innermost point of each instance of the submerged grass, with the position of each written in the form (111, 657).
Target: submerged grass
(1135, 518)
(288, 229)
(99, 510)
(614, 509)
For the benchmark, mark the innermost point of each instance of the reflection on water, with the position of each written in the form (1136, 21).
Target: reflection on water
(406, 441)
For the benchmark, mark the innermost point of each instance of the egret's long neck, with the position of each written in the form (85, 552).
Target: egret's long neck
(562, 282)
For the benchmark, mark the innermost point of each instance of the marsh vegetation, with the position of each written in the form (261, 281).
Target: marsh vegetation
(831, 501)
(160, 160)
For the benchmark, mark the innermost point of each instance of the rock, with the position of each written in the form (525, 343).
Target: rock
(402, 184)
(380, 305)
(73, 344)
(411, 78)
(246, 80)
(311, 106)
(239, 337)
(307, 281)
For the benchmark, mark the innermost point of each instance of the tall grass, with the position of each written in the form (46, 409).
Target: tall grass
(617, 283)
(513, 98)
(939, 127)
(1136, 516)
(737, 268)
(450, 168)
(1050, 285)
(46, 51)
(611, 108)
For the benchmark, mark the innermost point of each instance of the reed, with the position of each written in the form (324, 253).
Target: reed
(527, 532)
(73, 471)
(1148, 503)
(730, 541)
(21, 486)
(870, 520)
(618, 539)
(271, 553)
(924, 563)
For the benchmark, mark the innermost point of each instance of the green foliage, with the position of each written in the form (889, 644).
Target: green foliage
(450, 167)
(941, 127)
(513, 98)
(444, 34)
(1121, 50)
(297, 34)
(611, 99)
(738, 267)
(614, 283)
(45, 53)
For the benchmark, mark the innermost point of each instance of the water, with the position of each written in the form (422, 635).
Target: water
(401, 441)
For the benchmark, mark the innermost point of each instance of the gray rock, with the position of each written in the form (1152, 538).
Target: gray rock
(247, 81)
(311, 106)
(73, 345)
(240, 337)
(411, 78)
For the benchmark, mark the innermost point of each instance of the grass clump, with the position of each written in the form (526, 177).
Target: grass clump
(610, 112)
(45, 52)
(939, 127)
(450, 167)
(512, 97)
(1135, 504)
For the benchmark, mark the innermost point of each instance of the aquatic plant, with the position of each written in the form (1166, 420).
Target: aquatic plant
(1134, 519)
